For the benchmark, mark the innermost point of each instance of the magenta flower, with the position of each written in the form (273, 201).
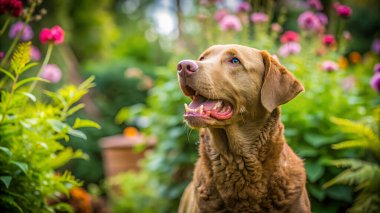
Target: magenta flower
(51, 73)
(376, 68)
(375, 82)
(220, 14)
(27, 34)
(316, 4)
(328, 40)
(343, 11)
(244, 7)
(55, 35)
(35, 54)
(2, 54)
(289, 36)
(12, 7)
(259, 18)
(309, 21)
(322, 18)
(330, 66)
(230, 22)
(376, 46)
(290, 48)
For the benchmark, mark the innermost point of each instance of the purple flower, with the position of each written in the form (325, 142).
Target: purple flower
(290, 48)
(2, 54)
(27, 34)
(376, 68)
(220, 14)
(375, 82)
(316, 4)
(244, 7)
(309, 21)
(322, 18)
(259, 18)
(51, 73)
(230, 22)
(330, 66)
(376, 46)
(35, 53)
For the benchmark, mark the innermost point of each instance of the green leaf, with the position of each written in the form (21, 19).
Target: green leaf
(74, 109)
(20, 165)
(6, 180)
(77, 133)
(28, 66)
(316, 192)
(10, 201)
(63, 207)
(314, 170)
(6, 151)
(27, 80)
(85, 123)
(29, 95)
(57, 125)
(9, 74)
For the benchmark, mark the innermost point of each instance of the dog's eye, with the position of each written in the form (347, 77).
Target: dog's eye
(235, 60)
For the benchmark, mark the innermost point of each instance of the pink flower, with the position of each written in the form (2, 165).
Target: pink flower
(2, 54)
(309, 21)
(376, 46)
(289, 36)
(276, 27)
(230, 22)
(290, 48)
(35, 53)
(375, 82)
(316, 4)
(343, 11)
(322, 18)
(55, 35)
(220, 14)
(347, 35)
(27, 34)
(51, 73)
(348, 83)
(259, 18)
(376, 68)
(244, 7)
(328, 40)
(13, 7)
(330, 66)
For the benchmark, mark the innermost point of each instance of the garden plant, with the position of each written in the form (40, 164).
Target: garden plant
(34, 123)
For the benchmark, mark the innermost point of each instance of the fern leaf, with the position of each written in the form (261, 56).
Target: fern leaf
(351, 144)
(10, 202)
(21, 56)
(366, 203)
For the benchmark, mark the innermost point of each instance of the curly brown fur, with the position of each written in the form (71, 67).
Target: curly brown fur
(245, 164)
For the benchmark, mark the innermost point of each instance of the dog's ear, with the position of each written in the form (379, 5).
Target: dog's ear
(279, 86)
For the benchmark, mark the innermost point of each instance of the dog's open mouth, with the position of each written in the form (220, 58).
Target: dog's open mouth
(206, 108)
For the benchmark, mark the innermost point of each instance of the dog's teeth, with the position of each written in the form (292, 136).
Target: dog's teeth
(201, 109)
(217, 105)
(186, 108)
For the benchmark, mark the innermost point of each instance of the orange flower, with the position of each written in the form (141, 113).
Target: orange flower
(355, 57)
(343, 62)
(130, 132)
(80, 200)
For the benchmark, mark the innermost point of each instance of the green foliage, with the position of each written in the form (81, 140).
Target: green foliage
(364, 174)
(31, 132)
(121, 190)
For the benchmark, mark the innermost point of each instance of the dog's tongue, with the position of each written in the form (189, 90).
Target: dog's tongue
(208, 104)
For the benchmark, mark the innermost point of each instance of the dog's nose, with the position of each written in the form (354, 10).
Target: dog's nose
(187, 67)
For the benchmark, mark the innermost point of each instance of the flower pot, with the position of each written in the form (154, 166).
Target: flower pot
(120, 154)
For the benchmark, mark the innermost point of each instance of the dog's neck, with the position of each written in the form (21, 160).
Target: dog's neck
(253, 138)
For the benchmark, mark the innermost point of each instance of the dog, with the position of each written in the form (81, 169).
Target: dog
(245, 164)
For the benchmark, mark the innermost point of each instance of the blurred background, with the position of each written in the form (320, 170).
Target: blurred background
(142, 157)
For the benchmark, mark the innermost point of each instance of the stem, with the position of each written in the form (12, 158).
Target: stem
(18, 36)
(9, 98)
(44, 63)
(5, 26)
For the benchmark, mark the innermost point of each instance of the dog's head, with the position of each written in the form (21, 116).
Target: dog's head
(230, 82)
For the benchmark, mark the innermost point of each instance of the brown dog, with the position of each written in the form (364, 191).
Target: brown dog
(245, 164)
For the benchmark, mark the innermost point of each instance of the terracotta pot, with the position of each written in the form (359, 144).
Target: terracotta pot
(119, 154)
